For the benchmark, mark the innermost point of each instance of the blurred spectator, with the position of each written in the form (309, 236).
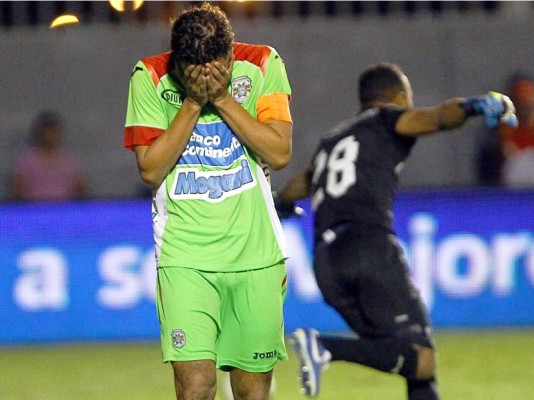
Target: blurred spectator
(506, 157)
(518, 143)
(45, 171)
(490, 159)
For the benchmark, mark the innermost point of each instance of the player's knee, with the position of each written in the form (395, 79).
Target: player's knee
(251, 386)
(251, 394)
(423, 354)
(195, 389)
(426, 362)
(195, 381)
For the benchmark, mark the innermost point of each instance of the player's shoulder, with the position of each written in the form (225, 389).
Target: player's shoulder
(157, 61)
(389, 115)
(337, 133)
(382, 118)
(370, 118)
(258, 54)
(156, 65)
(348, 125)
(245, 50)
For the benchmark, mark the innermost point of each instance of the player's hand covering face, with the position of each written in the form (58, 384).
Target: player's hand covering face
(193, 77)
(218, 75)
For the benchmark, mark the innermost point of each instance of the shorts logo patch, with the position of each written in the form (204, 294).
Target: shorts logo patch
(241, 88)
(267, 354)
(178, 338)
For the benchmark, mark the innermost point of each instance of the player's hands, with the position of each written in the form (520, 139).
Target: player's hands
(508, 116)
(286, 210)
(218, 77)
(495, 107)
(194, 80)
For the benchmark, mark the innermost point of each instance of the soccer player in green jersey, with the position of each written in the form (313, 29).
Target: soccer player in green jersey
(206, 122)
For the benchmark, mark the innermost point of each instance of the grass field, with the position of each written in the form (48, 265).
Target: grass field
(474, 365)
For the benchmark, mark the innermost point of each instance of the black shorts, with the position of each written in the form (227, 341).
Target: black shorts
(364, 276)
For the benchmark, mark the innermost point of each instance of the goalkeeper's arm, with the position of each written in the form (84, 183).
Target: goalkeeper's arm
(494, 107)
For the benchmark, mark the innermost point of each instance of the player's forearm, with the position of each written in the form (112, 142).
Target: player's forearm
(155, 161)
(450, 114)
(423, 121)
(296, 188)
(271, 141)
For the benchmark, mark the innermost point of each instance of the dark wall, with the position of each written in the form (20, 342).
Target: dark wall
(83, 72)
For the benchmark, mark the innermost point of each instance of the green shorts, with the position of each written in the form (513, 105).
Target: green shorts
(233, 318)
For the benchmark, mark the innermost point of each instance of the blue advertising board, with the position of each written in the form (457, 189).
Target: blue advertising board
(86, 270)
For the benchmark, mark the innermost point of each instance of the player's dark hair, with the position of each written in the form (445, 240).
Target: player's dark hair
(201, 34)
(380, 82)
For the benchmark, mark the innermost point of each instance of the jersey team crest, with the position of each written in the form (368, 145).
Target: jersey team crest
(241, 88)
(178, 338)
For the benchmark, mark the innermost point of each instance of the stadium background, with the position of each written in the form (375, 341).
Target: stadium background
(83, 71)
(84, 271)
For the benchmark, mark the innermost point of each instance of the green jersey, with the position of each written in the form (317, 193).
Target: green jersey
(214, 210)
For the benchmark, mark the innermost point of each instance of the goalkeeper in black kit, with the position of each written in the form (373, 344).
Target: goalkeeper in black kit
(359, 267)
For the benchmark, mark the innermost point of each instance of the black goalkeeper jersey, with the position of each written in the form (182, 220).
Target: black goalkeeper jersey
(356, 170)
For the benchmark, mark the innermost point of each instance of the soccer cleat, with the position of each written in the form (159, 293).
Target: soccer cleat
(313, 357)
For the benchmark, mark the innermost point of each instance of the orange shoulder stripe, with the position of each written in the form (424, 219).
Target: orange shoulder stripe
(274, 106)
(254, 53)
(157, 66)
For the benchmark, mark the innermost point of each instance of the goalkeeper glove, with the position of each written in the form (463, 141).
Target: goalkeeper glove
(286, 210)
(495, 107)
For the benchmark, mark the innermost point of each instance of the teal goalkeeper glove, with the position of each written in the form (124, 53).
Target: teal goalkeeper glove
(495, 107)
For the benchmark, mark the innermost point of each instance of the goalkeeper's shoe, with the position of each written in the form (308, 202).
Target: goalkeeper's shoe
(494, 106)
(313, 357)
